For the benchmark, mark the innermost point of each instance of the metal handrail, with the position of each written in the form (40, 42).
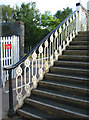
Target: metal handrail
(74, 29)
(85, 9)
(35, 48)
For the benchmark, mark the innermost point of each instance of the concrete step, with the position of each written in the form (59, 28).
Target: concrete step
(55, 108)
(32, 113)
(69, 89)
(70, 71)
(74, 47)
(82, 35)
(67, 79)
(78, 43)
(76, 58)
(62, 98)
(76, 52)
(72, 64)
(84, 32)
(83, 38)
(63, 93)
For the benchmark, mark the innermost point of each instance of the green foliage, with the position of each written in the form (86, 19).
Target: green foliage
(7, 13)
(61, 15)
(48, 22)
(37, 25)
(31, 18)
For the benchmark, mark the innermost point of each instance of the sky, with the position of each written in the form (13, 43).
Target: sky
(47, 5)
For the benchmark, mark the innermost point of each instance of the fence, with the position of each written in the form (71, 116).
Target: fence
(9, 55)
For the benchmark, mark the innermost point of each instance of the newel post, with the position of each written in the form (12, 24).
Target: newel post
(11, 111)
(79, 17)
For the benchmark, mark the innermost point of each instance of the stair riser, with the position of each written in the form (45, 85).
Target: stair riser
(69, 72)
(66, 80)
(82, 35)
(43, 108)
(26, 115)
(81, 39)
(80, 53)
(63, 100)
(58, 113)
(78, 43)
(72, 58)
(71, 47)
(65, 89)
(72, 65)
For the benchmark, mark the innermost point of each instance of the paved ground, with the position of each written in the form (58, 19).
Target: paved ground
(4, 100)
(0, 103)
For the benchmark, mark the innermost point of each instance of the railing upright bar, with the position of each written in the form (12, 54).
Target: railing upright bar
(49, 48)
(11, 111)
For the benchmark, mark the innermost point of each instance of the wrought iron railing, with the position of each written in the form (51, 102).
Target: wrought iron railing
(83, 18)
(31, 69)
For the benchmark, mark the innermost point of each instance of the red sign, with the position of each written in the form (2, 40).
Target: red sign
(8, 46)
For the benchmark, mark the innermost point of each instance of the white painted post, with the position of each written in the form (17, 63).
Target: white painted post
(1, 60)
(79, 17)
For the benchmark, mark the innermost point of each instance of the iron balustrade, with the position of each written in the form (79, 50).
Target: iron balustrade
(29, 71)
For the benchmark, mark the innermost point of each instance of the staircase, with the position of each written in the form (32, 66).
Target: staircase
(63, 93)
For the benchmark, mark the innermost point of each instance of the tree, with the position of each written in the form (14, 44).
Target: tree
(7, 13)
(61, 15)
(37, 25)
(48, 22)
(28, 14)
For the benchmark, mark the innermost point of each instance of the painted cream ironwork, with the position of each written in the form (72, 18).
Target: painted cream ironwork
(32, 69)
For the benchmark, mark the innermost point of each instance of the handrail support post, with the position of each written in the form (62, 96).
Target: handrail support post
(11, 111)
(78, 22)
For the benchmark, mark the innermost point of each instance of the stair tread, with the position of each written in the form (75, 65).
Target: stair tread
(34, 112)
(74, 58)
(78, 50)
(65, 85)
(63, 96)
(81, 41)
(79, 46)
(55, 105)
(69, 76)
(72, 64)
(74, 47)
(76, 62)
(67, 79)
(77, 56)
(68, 68)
